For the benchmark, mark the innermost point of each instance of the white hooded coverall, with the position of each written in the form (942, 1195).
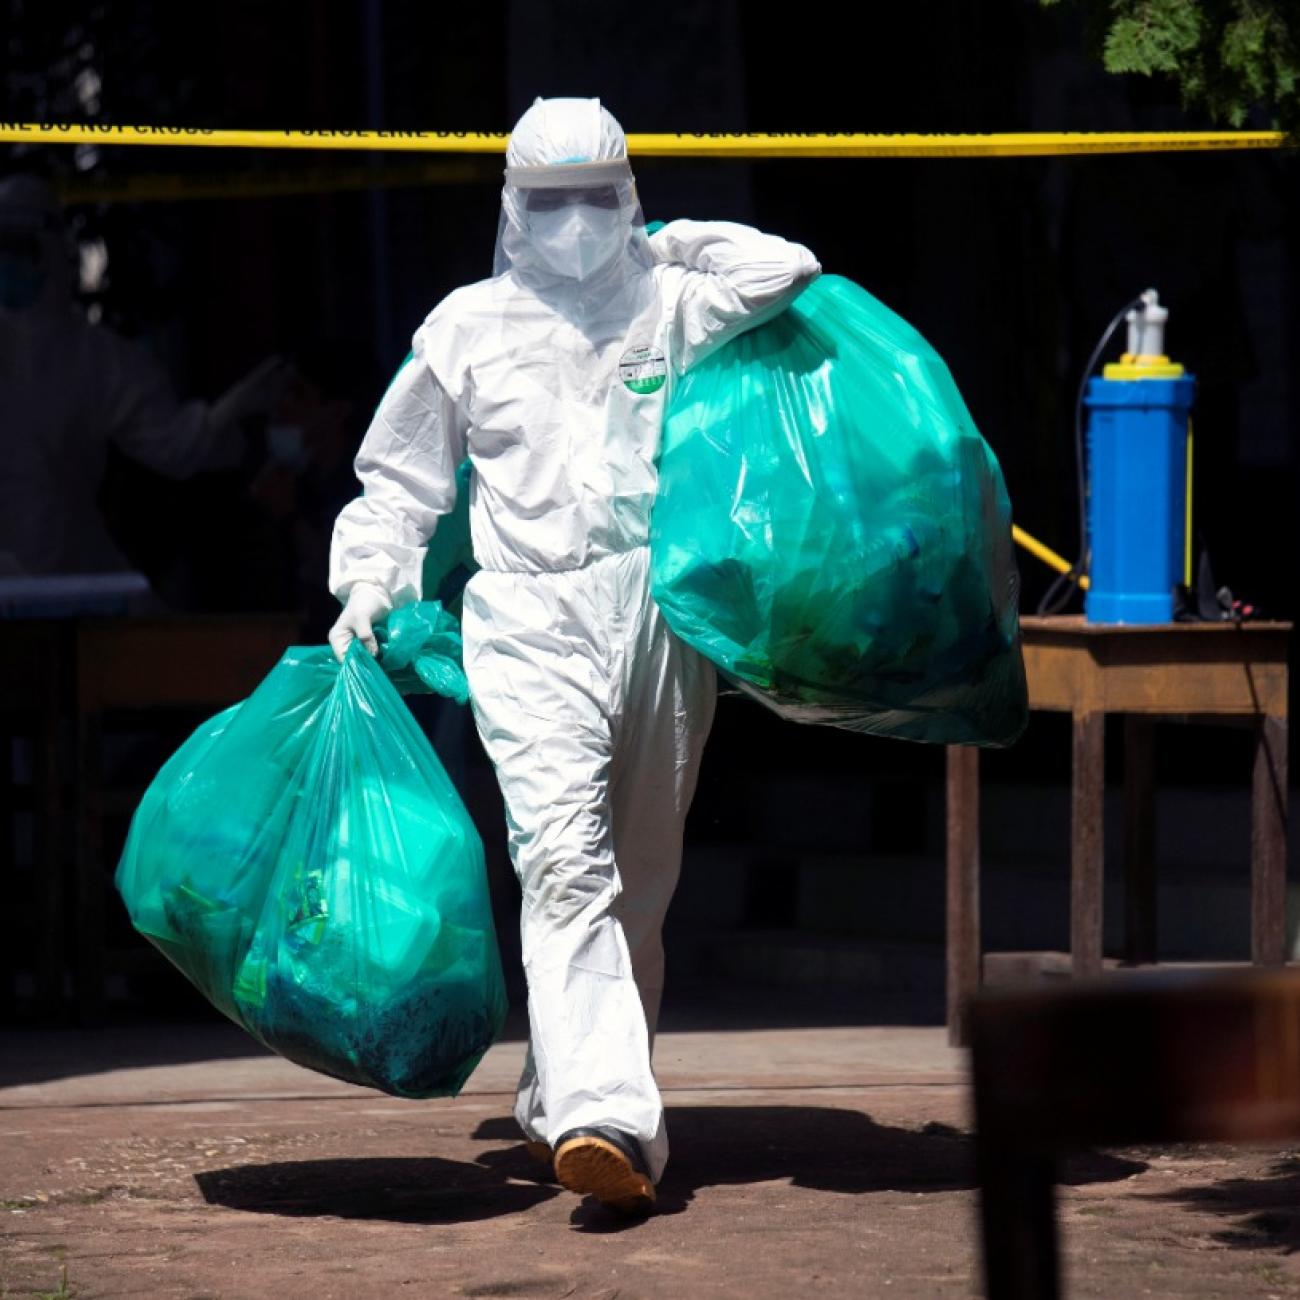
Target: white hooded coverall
(551, 377)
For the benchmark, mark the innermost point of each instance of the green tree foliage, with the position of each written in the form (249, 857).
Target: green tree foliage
(1228, 57)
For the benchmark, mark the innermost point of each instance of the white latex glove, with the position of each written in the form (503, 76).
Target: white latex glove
(365, 605)
(255, 394)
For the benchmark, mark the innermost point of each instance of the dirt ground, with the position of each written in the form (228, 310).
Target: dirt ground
(173, 1160)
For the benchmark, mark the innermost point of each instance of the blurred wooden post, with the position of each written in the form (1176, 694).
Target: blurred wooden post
(1113, 1062)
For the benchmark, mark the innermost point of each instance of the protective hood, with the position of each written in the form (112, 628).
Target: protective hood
(34, 271)
(571, 224)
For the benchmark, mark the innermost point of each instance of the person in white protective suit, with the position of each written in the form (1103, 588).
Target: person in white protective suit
(551, 377)
(69, 388)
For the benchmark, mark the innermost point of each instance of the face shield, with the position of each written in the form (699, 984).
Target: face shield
(571, 225)
(576, 232)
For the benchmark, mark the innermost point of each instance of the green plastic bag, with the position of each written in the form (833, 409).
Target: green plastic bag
(833, 533)
(305, 861)
(421, 650)
(449, 560)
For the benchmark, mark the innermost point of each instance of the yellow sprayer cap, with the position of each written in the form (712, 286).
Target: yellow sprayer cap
(1143, 366)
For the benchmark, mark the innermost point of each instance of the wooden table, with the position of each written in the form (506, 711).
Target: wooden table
(196, 661)
(1192, 672)
(58, 680)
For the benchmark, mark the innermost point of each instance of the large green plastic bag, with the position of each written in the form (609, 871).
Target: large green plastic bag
(833, 533)
(304, 859)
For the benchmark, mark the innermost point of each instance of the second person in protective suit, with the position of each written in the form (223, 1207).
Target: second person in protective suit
(551, 377)
(69, 389)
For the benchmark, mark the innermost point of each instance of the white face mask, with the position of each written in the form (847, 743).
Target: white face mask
(577, 240)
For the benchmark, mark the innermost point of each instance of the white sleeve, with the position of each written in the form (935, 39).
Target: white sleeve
(734, 277)
(407, 466)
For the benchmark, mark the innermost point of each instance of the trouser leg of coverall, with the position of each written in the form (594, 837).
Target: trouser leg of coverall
(651, 785)
(656, 763)
(595, 717)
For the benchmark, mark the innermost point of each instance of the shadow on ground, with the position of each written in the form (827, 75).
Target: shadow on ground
(1267, 1209)
(419, 1189)
(818, 1147)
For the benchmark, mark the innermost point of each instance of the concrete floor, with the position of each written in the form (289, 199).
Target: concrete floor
(179, 1160)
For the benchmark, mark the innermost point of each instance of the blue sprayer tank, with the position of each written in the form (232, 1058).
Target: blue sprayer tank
(1138, 477)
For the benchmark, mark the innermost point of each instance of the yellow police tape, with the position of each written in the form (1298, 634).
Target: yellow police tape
(712, 144)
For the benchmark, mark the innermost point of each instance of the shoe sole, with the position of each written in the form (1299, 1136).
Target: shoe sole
(591, 1166)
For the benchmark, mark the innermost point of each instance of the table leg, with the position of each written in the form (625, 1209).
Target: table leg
(8, 855)
(1087, 819)
(89, 956)
(1140, 924)
(1268, 845)
(51, 940)
(963, 886)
